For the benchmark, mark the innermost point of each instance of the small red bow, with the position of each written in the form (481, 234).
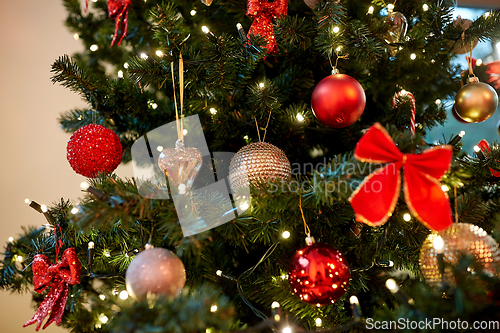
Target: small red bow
(376, 197)
(66, 272)
(263, 12)
(485, 148)
(117, 9)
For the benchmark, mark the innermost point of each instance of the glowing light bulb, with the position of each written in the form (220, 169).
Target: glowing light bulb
(245, 137)
(336, 30)
(120, 74)
(159, 148)
(102, 318)
(338, 49)
(219, 272)
(192, 12)
(413, 56)
(437, 101)
(19, 258)
(353, 300)
(370, 10)
(213, 111)
(27, 201)
(159, 53)
(390, 7)
(154, 106)
(286, 234)
(102, 297)
(94, 47)
(213, 308)
(74, 210)
(44, 208)
(287, 330)
(300, 117)
(11, 239)
(123, 294)
(318, 322)
(425, 7)
(84, 185)
(261, 85)
(182, 188)
(185, 131)
(487, 14)
(461, 134)
(144, 56)
(479, 62)
(477, 149)
(205, 29)
(275, 305)
(90, 245)
(438, 244)
(445, 188)
(433, 61)
(125, 65)
(107, 254)
(76, 37)
(244, 206)
(392, 285)
(407, 217)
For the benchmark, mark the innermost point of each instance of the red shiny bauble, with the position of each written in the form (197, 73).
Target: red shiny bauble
(93, 149)
(318, 274)
(338, 101)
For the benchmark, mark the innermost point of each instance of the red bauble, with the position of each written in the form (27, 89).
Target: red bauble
(93, 149)
(338, 101)
(318, 274)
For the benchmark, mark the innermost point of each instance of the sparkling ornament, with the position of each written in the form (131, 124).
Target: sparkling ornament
(397, 28)
(476, 101)
(59, 276)
(93, 149)
(459, 238)
(311, 3)
(258, 162)
(459, 47)
(155, 271)
(338, 100)
(180, 165)
(207, 2)
(318, 274)
(456, 116)
(263, 12)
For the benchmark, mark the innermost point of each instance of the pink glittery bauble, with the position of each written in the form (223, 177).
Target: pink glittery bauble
(156, 271)
(93, 149)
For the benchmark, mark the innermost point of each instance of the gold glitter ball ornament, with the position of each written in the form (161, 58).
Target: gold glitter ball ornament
(476, 101)
(458, 239)
(256, 163)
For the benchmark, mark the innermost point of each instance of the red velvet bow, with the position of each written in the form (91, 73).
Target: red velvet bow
(263, 12)
(66, 272)
(485, 148)
(376, 197)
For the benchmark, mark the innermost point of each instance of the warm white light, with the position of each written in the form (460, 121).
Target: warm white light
(106, 253)
(44, 208)
(205, 29)
(120, 74)
(477, 149)
(275, 305)
(125, 65)
(286, 234)
(353, 300)
(159, 53)
(391, 263)
(102, 297)
(76, 37)
(336, 30)
(213, 111)
(300, 117)
(284, 277)
(213, 308)
(19, 258)
(438, 244)
(94, 0)
(182, 188)
(392, 285)
(84, 185)
(245, 137)
(437, 101)
(192, 12)
(287, 330)
(27, 201)
(123, 294)
(11, 239)
(407, 217)
(74, 210)
(390, 7)
(219, 272)
(318, 322)
(102, 318)
(154, 106)
(91, 245)
(244, 206)
(185, 131)
(94, 47)
(114, 291)
(479, 62)
(461, 134)
(445, 188)
(425, 7)
(338, 49)
(261, 85)
(370, 10)
(487, 14)
(144, 56)
(433, 61)
(413, 56)
(159, 148)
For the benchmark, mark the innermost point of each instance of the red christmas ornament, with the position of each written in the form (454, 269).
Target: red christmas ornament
(375, 198)
(93, 149)
(117, 9)
(318, 274)
(62, 274)
(263, 12)
(338, 101)
(485, 148)
(493, 69)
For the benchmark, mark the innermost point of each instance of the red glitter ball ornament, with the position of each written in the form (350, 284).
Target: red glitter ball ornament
(338, 101)
(93, 149)
(318, 274)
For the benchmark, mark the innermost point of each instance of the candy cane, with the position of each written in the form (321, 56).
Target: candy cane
(401, 97)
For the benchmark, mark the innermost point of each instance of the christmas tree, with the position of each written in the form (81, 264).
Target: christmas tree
(341, 216)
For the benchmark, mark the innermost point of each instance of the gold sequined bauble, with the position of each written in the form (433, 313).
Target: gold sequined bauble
(476, 101)
(256, 163)
(155, 271)
(459, 238)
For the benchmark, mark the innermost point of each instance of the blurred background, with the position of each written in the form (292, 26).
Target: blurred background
(33, 147)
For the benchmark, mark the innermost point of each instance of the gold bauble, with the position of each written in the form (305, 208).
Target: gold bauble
(256, 163)
(458, 239)
(476, 101)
